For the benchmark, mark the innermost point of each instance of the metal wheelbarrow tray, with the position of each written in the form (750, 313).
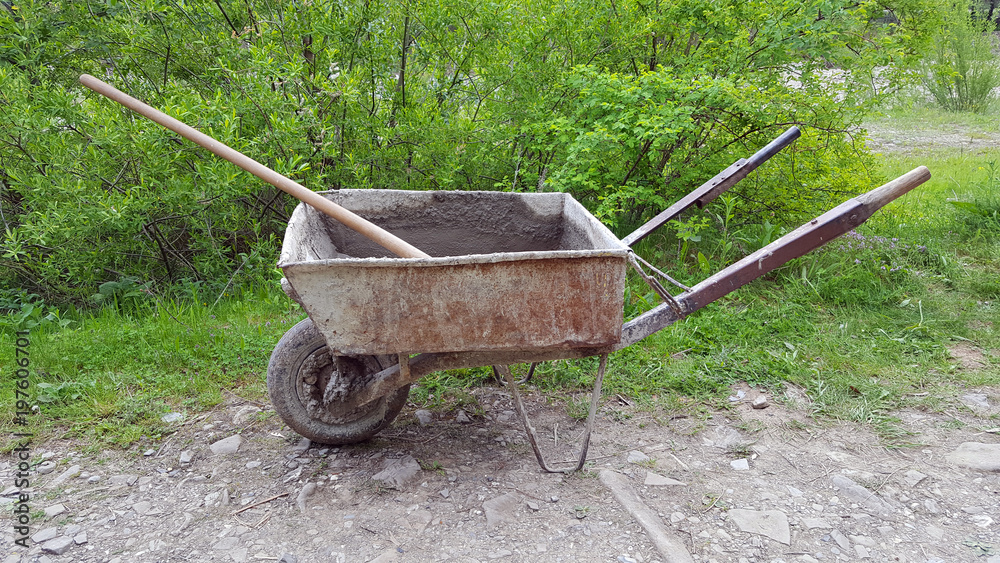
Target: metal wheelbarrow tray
(509, 272)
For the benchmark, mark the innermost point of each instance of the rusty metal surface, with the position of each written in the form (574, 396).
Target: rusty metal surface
(808, 237)
(508, 272)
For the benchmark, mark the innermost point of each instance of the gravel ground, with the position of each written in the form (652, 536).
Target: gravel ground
(737, 485)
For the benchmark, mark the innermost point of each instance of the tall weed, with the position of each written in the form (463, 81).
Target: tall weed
(963, 72)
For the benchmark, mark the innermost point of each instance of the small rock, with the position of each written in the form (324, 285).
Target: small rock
(80, 538)
(740, 464)
(253, 464)
(226, 544)
(228, 445)
(172, 417)
(302, 446)
(760, 402)
(72, 530)
(627, 559)
(862, 496)
(419, 520)
(424, 417)
(982, 520)
(976, 401)
(862, 552)
(149, 452)
(500, 509)
(840, 538)
(862, 540)
(654, 480)
(46, 467)
(307, 489)
(976, 455)
(813, 523)
(635, 456)
(445, 493)
(44, 535)
(462, 418)
(142, 507)
(499, 554)
(676, 517)
(533, 505)
(65, 476)
(397, 472)
(245, 414)
(186, 456)
(54, 510)
(769, 523)
(94, 479)
(125, 479)
(58, 546)
(913, 477)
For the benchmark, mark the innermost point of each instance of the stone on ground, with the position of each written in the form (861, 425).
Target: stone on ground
(245, 414)
(303, 498)
(635, 456)
(58, 545)
(654, 480)
(501, 509)
(670, 547)
(864, 497)
(768, 523)
(976, 455)
(397, 472)
(45, 535)
(424, 417)
(54, 510)
(65, 476)
(228, 445)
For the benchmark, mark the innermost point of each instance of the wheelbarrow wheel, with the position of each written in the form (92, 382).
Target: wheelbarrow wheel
(302, 370)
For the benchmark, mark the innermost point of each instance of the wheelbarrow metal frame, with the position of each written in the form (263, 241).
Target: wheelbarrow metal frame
(821, 230)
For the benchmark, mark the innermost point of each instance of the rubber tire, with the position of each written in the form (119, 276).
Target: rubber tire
(297, 345)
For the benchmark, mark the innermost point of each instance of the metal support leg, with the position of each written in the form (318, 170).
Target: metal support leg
(530, 430)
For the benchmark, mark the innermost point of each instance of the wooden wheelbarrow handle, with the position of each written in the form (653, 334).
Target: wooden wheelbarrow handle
(377, 234)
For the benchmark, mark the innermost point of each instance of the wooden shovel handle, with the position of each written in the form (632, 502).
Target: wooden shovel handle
(377, 234)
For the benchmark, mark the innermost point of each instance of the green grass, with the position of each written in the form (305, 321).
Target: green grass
(863, 325)
(109, 377)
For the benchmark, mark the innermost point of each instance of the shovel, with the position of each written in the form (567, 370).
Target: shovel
(370, 230)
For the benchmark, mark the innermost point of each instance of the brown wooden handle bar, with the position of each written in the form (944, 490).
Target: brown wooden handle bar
(370, 230)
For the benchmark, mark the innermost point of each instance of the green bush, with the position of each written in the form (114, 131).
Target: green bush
(963, 73)
(625, 104)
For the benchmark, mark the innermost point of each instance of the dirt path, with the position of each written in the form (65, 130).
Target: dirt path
(887, 139)
(476, 493)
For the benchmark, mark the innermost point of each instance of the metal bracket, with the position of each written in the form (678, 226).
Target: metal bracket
(657, 287)
(530, 430)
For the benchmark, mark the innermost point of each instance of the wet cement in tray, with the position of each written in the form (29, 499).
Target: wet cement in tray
(461, 223)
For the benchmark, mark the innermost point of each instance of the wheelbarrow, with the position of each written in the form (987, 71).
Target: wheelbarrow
(489, 279)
